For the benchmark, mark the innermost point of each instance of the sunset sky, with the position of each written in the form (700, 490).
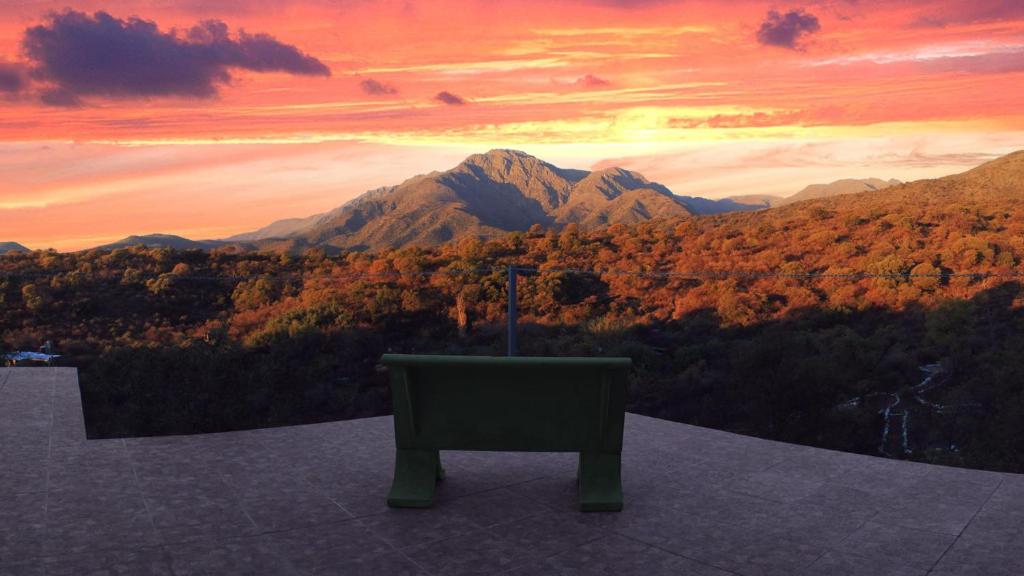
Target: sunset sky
(209, 118)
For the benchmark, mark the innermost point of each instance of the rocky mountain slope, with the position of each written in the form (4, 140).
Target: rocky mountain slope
(485, 196)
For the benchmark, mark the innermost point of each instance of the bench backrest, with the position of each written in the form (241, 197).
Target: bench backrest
(514, 404)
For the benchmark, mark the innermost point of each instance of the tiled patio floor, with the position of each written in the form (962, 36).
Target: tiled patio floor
(310, 500)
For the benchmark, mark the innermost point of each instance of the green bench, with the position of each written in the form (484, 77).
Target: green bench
(517, 404)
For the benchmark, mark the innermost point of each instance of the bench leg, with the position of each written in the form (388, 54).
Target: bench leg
(416, 473)
(600, 482)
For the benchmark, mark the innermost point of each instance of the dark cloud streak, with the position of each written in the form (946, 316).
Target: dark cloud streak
(591, 81)
(77, 55)
(377, 88)
(960, 12)
(755, 120)
(787, 30)
(995, 63)
(450, 99)
(12, 78)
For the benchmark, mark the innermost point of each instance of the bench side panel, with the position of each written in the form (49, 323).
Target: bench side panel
(614, 411)
(402, 407)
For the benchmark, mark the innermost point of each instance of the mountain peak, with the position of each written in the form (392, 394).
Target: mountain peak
(506, 153)
(161, 241)
(12, 247)
(622, 178)
(504, 162)
(612, 171)
(546, 183)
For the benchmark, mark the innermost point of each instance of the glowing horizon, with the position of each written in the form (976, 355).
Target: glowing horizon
(709, 98)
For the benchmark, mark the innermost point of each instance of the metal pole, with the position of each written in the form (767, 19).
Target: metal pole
(511, 310)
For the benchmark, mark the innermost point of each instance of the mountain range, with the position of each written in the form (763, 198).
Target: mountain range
(488, 195)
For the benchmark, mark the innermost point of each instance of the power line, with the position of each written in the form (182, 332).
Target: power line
(247, 277)
(669, 274)
(726, 274)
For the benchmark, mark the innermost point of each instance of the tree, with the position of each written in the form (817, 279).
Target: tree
(35, 297)
(252, 294)
(925, 276)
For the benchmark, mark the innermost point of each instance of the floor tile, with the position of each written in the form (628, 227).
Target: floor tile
(153, 561)
(844, 564)
(915, 548)
(615, 555)
(22, 525)
(85, 520)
